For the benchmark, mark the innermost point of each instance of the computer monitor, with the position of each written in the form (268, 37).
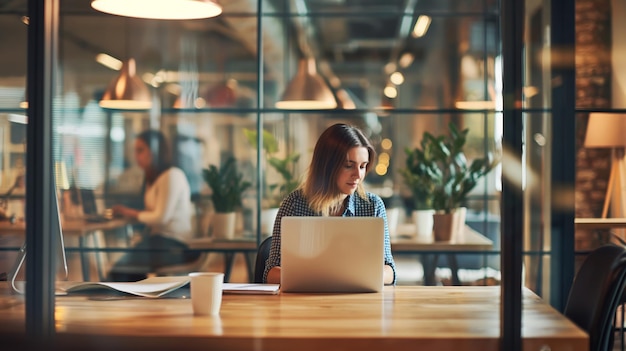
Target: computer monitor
(57, 232)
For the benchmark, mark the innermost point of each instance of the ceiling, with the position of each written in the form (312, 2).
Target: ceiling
(354, 36)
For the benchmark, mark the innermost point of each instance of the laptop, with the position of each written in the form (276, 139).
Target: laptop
(87, 199)
(332, 254)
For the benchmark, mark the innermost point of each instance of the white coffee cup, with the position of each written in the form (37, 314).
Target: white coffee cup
(206, 293)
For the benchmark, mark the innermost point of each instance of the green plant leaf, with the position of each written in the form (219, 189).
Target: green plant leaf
(285, 167)
(227, 185)
(438, 173)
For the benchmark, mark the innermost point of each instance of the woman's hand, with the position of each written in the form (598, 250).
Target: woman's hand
(387, 275)
(123, 211)
(273, 276)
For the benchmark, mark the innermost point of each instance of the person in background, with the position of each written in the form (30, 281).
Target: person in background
(333, 186)
(167, 212)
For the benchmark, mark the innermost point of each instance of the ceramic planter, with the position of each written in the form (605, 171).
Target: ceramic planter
(449, 226)
(268, 216)
(423, 220)
(223, 225)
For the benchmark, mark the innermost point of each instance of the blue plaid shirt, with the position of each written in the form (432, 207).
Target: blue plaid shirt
(295, 204)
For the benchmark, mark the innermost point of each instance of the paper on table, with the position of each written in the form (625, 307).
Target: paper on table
(150, 287)
(234, 288)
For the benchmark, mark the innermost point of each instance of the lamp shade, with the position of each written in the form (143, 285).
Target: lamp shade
(307, 90)
(160, 9)
(127, 91)
(606, 130)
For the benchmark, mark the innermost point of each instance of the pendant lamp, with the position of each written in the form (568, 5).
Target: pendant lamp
(160, 9)
(307, 90)
(127, 91)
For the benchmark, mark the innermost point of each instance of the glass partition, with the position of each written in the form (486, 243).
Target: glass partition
(213, 86)
(13, 139)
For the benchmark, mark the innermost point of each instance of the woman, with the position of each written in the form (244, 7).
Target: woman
(333, 187)
(167, 212)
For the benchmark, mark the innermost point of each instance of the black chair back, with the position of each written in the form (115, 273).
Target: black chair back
(596, 293)
(263, 253)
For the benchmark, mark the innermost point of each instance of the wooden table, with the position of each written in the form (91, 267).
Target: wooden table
(75, 227)
(429, 250)
(400, 318)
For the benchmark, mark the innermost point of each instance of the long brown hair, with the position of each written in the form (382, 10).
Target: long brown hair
(161, 154)
(329, 156)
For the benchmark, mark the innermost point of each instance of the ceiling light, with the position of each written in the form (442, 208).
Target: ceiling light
(160, 9)
(390, 67)
(307, 90)
(127, 91)
(396, 78)
(406, 60)
(421, 26)
(475, 105)
(109, 61)
(390, 92)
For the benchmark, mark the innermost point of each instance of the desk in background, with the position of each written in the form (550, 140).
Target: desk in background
(400, 318)
(83, 229)
(429, 250)
(229, 248)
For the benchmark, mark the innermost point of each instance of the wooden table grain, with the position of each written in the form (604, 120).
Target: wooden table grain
(399, 318)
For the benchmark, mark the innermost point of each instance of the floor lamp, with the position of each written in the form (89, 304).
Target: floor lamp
(608, 130)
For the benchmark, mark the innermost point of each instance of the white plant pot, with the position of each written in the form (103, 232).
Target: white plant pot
(423, 220)
(223, 225)
(393, 218)
(267, 220)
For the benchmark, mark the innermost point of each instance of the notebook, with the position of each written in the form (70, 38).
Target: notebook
(332, 254)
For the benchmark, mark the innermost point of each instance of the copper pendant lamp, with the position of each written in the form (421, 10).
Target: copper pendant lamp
(307, 90)
(127, 91)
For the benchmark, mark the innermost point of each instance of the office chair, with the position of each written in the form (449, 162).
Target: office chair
(595, 294)
(263, 253)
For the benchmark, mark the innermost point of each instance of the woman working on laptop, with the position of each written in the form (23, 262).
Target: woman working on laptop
(334, 187)
(167, 212)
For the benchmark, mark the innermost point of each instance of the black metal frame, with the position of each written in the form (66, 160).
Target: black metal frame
(40, 268)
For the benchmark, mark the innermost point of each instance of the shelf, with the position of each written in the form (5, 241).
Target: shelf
(599, 223)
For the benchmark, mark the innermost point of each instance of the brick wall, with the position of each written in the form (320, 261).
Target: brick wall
(593, 91)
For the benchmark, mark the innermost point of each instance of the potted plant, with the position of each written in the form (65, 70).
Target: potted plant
(447, 176)
(227, 186)
(285, 167)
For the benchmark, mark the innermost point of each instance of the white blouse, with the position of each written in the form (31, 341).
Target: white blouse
(168, 209)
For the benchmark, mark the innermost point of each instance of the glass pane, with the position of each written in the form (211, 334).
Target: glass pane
(600, 105)
(13, 104)
(202, 80)
(537, 161)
